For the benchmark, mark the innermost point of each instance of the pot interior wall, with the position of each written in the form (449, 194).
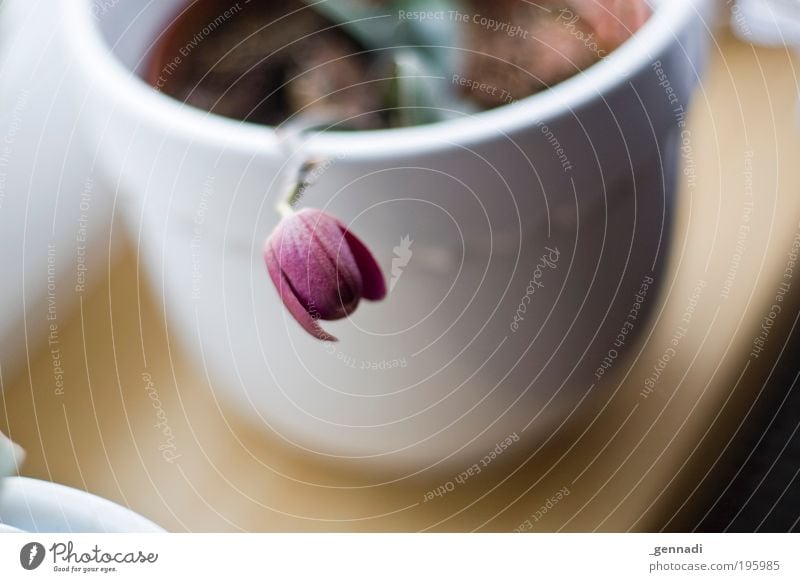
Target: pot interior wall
(131, 28)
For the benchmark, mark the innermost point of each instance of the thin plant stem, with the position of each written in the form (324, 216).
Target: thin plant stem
(294, 137)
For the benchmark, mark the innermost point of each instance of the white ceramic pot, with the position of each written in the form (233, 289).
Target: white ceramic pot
(37, 506)
(54, 220)
(438, 372)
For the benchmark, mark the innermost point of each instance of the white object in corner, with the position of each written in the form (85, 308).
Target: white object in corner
(42, 507)
(767, 22)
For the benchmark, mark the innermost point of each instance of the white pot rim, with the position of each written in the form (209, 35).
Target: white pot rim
(130, 91)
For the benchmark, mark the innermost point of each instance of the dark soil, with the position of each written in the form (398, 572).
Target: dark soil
(544, 52)
(271, 59)
(264, 63)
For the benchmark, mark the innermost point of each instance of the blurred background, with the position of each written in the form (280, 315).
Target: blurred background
(714, 448)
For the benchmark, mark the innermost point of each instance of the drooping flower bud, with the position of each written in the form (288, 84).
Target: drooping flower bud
(320, 269)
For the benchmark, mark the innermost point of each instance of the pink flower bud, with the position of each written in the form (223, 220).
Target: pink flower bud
(321, 270)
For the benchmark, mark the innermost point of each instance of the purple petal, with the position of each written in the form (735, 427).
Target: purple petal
(337, 281)
(287, 293)
(320, 269)
(373, 284)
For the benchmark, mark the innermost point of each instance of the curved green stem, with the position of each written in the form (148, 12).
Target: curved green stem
(293, 141)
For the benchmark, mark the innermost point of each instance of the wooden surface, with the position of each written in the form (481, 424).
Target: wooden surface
(634, 465)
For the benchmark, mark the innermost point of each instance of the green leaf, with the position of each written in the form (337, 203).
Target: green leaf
(439, 37)
(373, 27)
(419, 93)
(424, 52)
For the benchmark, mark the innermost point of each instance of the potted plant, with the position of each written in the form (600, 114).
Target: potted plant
(31, 505)
(513, 241)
